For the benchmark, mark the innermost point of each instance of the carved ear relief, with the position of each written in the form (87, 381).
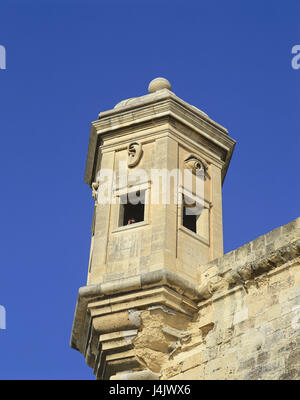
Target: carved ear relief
(135, 152)
(195, 164)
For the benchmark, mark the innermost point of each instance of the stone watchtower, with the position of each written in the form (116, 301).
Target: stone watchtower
(152, 230)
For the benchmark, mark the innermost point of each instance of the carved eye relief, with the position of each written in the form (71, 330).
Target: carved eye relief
(195, 164)
(198, 165)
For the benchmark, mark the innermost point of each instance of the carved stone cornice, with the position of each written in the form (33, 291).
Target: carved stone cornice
(117, 329)
(86, 294)
(222, 281)
(150, 108)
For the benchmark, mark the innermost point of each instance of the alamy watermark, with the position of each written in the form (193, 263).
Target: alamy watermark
(167, 186)
(2, 57)
(296, 59)
(2, 317)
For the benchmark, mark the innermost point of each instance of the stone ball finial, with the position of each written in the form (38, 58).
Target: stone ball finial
(158, 84)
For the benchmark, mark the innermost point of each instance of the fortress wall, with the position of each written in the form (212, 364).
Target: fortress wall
(249, 326)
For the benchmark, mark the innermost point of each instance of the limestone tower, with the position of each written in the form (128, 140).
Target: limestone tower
(156, 166)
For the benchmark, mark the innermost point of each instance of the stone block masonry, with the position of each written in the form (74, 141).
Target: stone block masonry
(253, 309)
(161, 300)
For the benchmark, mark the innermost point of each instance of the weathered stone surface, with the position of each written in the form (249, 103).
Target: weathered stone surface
(162, 301)
(256, 331)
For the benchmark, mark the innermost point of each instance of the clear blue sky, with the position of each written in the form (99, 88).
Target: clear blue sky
(69, 60)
